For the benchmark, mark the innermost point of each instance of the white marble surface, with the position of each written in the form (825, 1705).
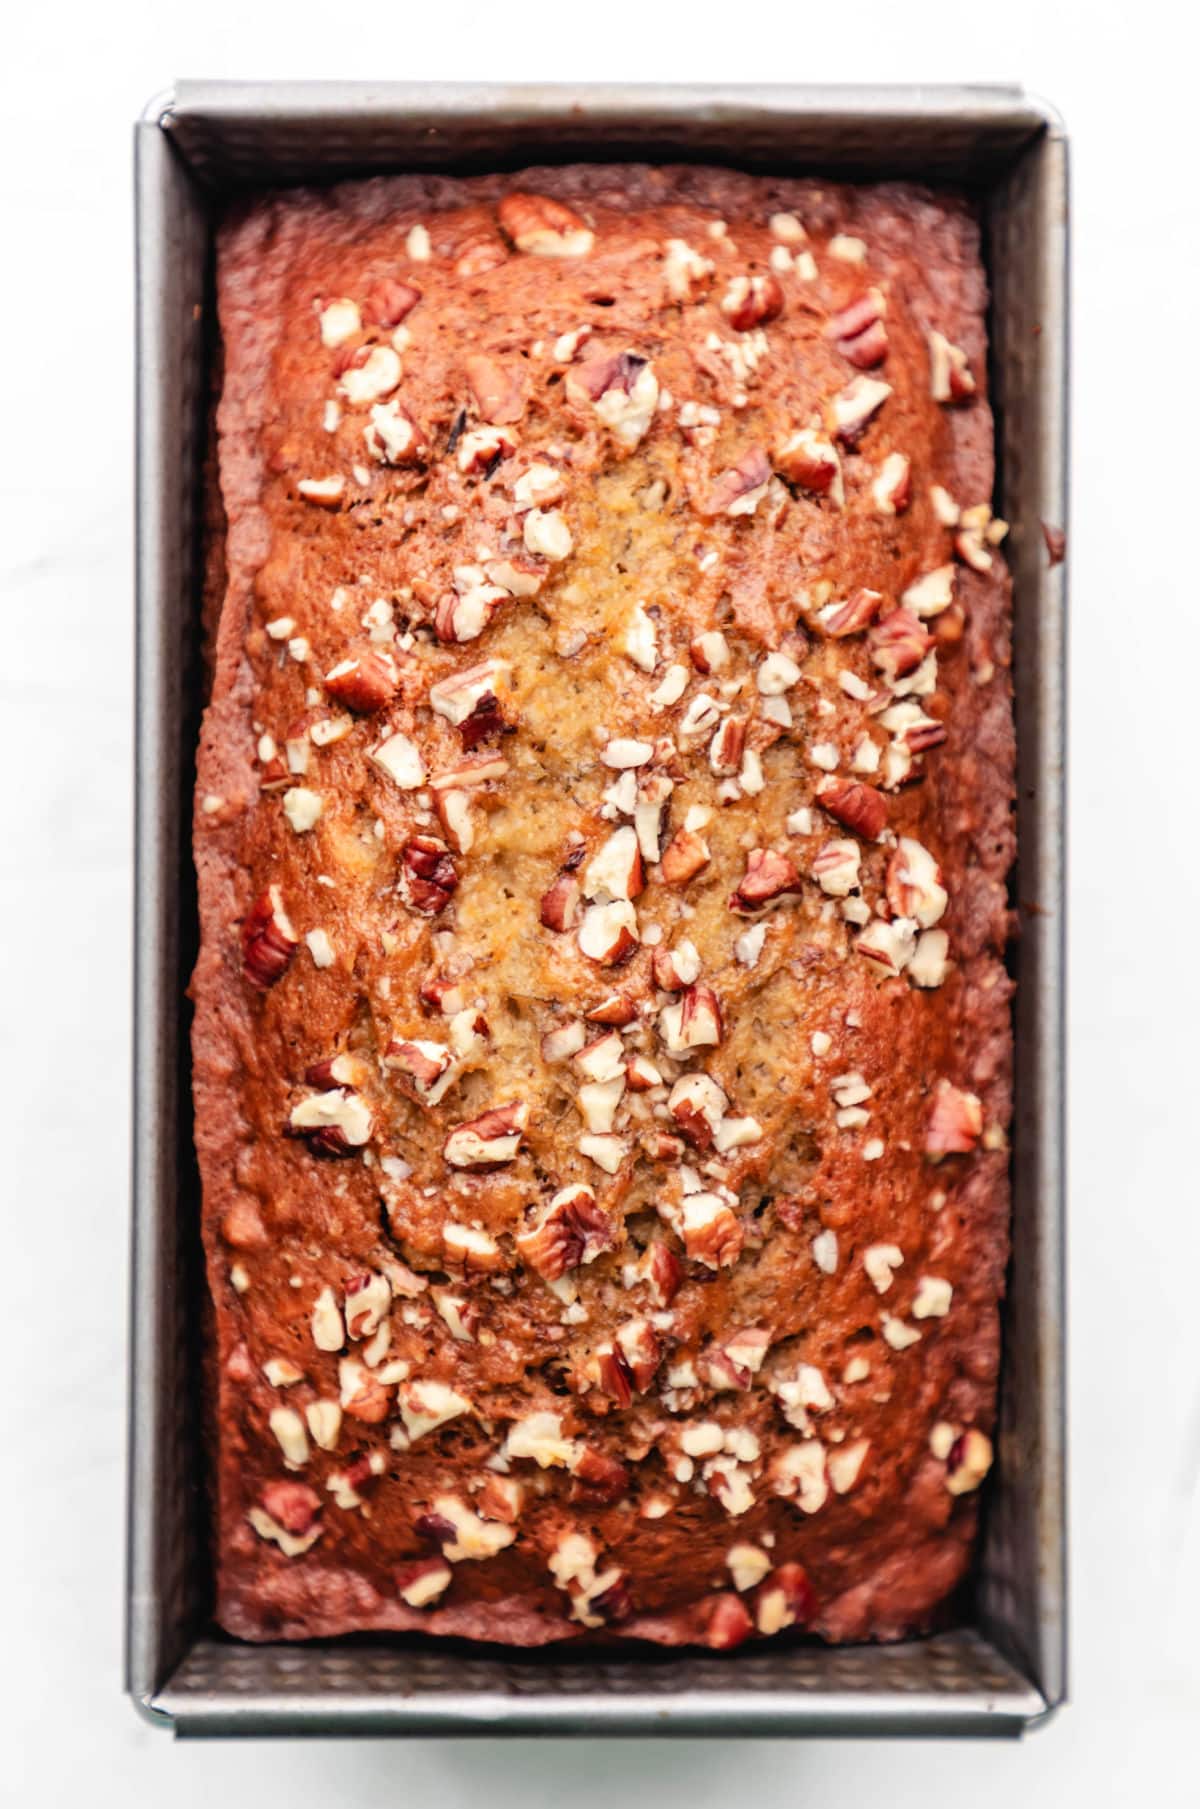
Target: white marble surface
(72, 79)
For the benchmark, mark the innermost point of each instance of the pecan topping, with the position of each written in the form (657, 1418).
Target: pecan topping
(899, 643)
(559, 908)
(495, 389)
(365, 683)
(727, 746)
(892, 488)
(336, 1123)
(955, 1122)
(914, 887)
(725, 1622)
(614, 1009)
(421, 1582)
(850, 615)
(609, 932)
(859, 333)
(388, 301)
(697, 1104)
(268, 940)
(481, 450)
(612, 1602)
(784, 1599)
(712, 1232)
(426, 1069)
(768, 876)
(479, 255)
(663, 1272)
(571, 1230)
(428, 877)
(612, 1375)
(810, 460)
(740, 489)
(855, 407)
(292, 1505)
(599, 1477)
(856, 806)
(544, 228)
(641, 1350)
(751, 301)
(393, 437)
(683, 857)
(969, 1461)
(488, 1141)
(950, 378)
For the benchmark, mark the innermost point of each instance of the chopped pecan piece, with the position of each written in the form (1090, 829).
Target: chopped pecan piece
(784, 1599)
(642, 1351)
(613, 1377)
(467, 1248)
(611, 1601)
(692, 1023)
(768, 876)
(955, 1122)
(428, 877)
(728, 744)
(362, 1395)
(292, 1505)
(683, 857)
(543, 227)
(479, 254)
(712, 1232)
(855, 805)
(422, 1581)
(891, 490)
(740, 489)
(496, 389)
(336, 1123)
(810, 460)
(751, 301)
(599, 1477)
(458, 697)
(559, 908)
(899, 643)
(697, 1104)
(850, 615)
(614, 1009)
(725, 1622)
(268, 940)
(572, 1229)
(859, 333)
(393, 437)
(950, 378)
(482, 449)
(854, 408)
(490, 1140)
(615, 870)
(914, 887)
(390, 301)
(363, 684)
(609, 932)
(675, 968)
(426, 1069)
(969, 1461)
(662, 1270)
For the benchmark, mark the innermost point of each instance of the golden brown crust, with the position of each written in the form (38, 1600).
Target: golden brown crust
(694, 1337)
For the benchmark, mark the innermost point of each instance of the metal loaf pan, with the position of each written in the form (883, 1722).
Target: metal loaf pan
(1005, 1669)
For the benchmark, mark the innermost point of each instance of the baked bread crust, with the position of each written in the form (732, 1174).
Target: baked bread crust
(698, 1338)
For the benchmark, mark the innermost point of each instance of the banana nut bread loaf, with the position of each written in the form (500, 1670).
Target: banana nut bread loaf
(603, 817)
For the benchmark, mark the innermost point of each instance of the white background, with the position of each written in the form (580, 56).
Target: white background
(73, 78)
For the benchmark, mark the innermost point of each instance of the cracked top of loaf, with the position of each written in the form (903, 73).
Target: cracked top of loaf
(602, 824)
